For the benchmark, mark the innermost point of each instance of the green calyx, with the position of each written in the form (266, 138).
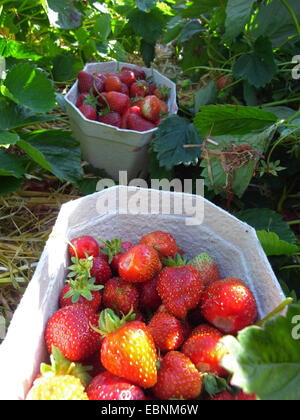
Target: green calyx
(177, 261)
(110, 322)
(61, 366)
(200, 259)
(112, 248)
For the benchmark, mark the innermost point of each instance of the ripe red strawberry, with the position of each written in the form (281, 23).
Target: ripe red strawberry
(163, 108)
(85, 81)
(139, 73)
(139, 89)
(149, 298)
(114, 249)
(118, 102)
(67, 294)
(88, 111)
(120, 296)
(164, 243)
(133, 109)
(223, 81)
(127, 77)
(98, 84)
(137, 123)
(102, 101)
(113, 83)
(162, 92)
(107, 386)
(151, 108)
(69, 329)
(84, 245)
(139, 264)
(167, 331)
(125, 89)
(128, 349)
(227, 396)
(229, 305)
(111, 118)
(205, 350)
(178, 378)
(81, 98)
(180, 289)
(207, 267)
(101, 270)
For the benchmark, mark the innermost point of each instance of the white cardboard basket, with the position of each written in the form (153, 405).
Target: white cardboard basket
(112, 148)
(232, 243)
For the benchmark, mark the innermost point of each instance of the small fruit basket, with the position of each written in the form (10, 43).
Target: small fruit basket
(234, 253)
(109, 138)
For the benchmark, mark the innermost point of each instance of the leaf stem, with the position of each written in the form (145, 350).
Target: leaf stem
(292, 13)
(276, 311)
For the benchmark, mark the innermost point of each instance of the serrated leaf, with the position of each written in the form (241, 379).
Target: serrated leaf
(237, 16)
(18, 50)
(146, 25)
(62, 14)
(258, 67)
(219, 120)
(273, 246)
(206, 95)
(172, 135)
(266, 361)
(30, 87)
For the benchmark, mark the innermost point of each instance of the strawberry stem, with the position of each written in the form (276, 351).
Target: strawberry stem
(276, 311)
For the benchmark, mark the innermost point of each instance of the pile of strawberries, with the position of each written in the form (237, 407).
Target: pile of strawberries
(140, 322)
(124, 100)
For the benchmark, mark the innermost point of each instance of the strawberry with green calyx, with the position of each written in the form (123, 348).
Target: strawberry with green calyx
(120, 296)
(114, 249)
(139, 89)
(163, 242)
(83, 245)
(207, 267)
(128, 349)
(62, 380)
(162, 93)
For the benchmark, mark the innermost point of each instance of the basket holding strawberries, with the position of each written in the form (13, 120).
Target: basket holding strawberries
(141, 322)
(125, 100)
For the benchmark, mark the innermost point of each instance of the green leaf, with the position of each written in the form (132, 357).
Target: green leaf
(9, 184)
(56, 151)
(18, 50)
(266, 361)
(173, 133)
(237, 16)
(145, 5)
(206, 95)
(148, 52)
(102, 26)
(62, 14)
(30, 87)
(191, 28)
(10, 165)
(145, 24)
(272, 245)
(214, 385)
(7, 138)
(195, 8)
(258, 67)
(228, 119)
(268, 220)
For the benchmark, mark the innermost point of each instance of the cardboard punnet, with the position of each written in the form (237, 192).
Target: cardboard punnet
(232, 243)
(107, 147)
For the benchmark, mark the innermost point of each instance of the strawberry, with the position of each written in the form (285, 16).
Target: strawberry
(120, 296)
(178, 378)
(93, 363)
(139, 264)
(138, 73)
(241, 396)
(118, 102)
(207, 267)
(101, 269)
(62, 380)
(180, 289)
(85, 81)
(139, 89)
(163, 108)
(229, 305)
(107, 386)
(127, 77)
(66, 297)
(114, 249)
(149, 298)
(98, 84)
(137, 123)
(162, 93)
(134, 110)
(88, 111)
(223, 81)
(69, 329)
(84, 245)
(81, 99)
(163, 242)
(124, 89)
(128, 349)
(113, 83)
(111, 118)
(227, 396)
(102, 101)
(205, 350)
(167, 331)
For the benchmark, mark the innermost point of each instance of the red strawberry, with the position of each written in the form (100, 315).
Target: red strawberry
(180, 289)
(118, 102)
(207, 267)
(113, 83)
(102, 101)
(167, 331)
(120, 296)
(229, 305)
(84, 245)
(107, 386)
(69, 329)
(149, 298)
(124, 89)
(227, 396)
(114, 249)
(66, 298)
(128, 349)
(81, 98)
(111, 118)
(101, 270)
(162, 92)
(127, 77)
(98, 84)
(163, 108)
(223, 81)
(88, 111)
(139, 74)
(151, 108)
(139, 89)
(85, 81)
(163, 242)
(139, 264)
(137, 123)
(94, 362)
(178, 378)
(205, 350)
(241, 396)
(134, 110)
